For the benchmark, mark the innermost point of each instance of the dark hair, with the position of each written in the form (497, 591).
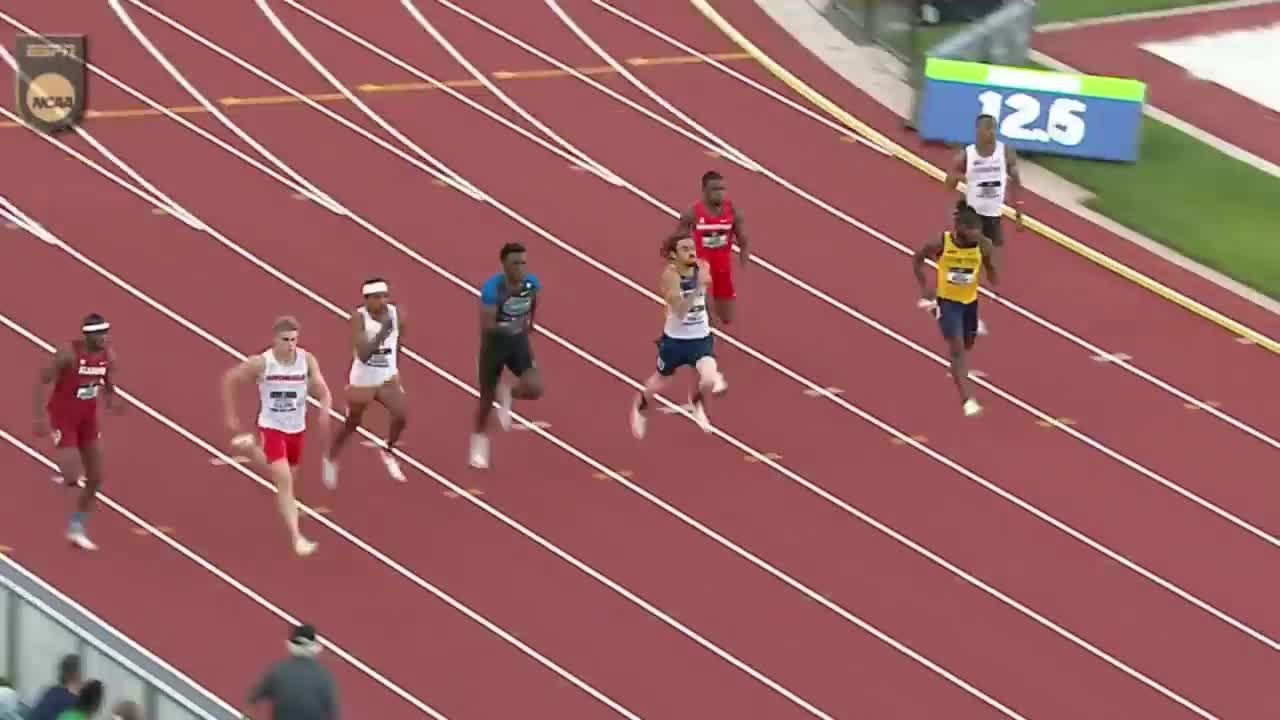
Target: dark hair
(69, 667)
(710, 175)
(669, 245)
(984, 116)
(510, 249)
(966, 215)
(373, 280)
(90, 697)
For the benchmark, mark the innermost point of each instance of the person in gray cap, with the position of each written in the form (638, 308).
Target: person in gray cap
(299, 687)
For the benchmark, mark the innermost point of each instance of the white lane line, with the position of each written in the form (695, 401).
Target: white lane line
(885, 330)
(586, 162)
(906, 439)
(933, 557)
(887, 240)
(726, 150)
(312, 193)
(454, 179)
(163, 537)
(228, 460)
(543, 542)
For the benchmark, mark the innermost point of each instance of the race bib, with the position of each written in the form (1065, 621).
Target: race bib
(960, 276)
(284, 402)
(715, 240)
(379, 359)
(989, 189)
(87, 392)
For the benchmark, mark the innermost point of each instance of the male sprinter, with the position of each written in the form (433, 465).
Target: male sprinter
(960, 256)
(716, 225)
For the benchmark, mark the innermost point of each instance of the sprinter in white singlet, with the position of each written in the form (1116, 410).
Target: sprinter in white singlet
(377, 329)
(686, 334)
(989, 169)
(285, 374)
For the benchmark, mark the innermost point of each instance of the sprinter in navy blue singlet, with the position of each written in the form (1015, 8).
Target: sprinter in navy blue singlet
(508, 303)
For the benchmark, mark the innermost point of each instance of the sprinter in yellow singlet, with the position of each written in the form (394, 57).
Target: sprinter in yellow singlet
(961, 255)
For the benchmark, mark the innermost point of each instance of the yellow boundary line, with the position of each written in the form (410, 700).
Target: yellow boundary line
(1070, 243)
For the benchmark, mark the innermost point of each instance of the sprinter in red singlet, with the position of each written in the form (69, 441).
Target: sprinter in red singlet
(69, 415)
(716, 226)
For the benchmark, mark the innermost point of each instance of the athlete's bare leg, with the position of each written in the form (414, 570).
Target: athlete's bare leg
(724, 309)
(90, 460)
(710, 382)
(391, 396)
(358, 399)
(960, 372)
(70, 466)
(644, 398)
(529, 385)
(283, 476)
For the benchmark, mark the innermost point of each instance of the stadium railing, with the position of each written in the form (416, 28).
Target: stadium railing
(39, 625)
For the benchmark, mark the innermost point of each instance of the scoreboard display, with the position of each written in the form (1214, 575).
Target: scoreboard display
(1036, 111)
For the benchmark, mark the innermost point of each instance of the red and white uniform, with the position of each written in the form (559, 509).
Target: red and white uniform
(73, 405)
(282, 419)
(713, 236)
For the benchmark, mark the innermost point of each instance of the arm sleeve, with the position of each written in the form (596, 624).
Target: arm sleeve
(489, 292)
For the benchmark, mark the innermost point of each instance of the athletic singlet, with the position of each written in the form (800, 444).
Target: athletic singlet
(513, 307)
(382, 363)
(713, 235)
(77, 387)
(282, 391)
(958, 270)
(694, 324)
(985, 179)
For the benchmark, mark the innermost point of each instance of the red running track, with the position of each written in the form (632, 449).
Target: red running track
(642, 664)
(1203, 103)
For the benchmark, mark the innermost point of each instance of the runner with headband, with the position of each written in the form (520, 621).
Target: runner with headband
(377, 329)
(68, 414)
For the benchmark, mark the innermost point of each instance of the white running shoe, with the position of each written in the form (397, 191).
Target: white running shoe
(700, 416)
(77, 537)
(479, 451)
(303, 547)
(393, 466)
(638, 422)
(982, 326)
(329, 473)
(972, 408)
(504, 406)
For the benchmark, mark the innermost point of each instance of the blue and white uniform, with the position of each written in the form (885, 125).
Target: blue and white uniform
(686, 338)
(507, 346)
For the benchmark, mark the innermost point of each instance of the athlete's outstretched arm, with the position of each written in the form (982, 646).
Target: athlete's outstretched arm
(245, 372)
(957, 172)
(317, 386)
(109, 386)
(684, 226)
(928, 250)
(739, 229)
(989, 259)
(402, 321)
(1015, 179)
(365, 347)
(40, 393)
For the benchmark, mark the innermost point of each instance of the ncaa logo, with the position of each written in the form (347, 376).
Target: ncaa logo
(51, 81)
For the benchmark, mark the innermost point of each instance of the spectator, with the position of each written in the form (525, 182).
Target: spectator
(8, 701)
(299, 687)
(60, 696)
(126, 710)
(87, 704)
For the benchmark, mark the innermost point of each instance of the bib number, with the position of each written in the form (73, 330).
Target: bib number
(989, 189)
(960, 276)
(284, 402)
(87, 392)
(715, 240)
